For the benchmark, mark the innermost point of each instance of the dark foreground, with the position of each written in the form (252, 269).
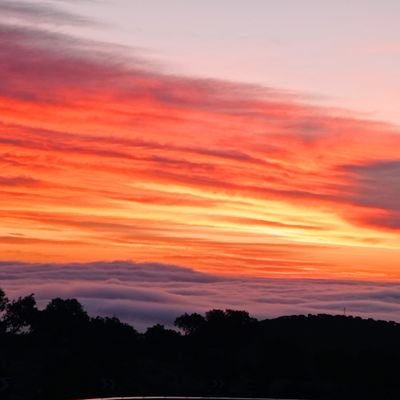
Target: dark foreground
(183, 398)
(62, 353)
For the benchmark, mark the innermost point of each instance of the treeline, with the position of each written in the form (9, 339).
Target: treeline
(62, 353)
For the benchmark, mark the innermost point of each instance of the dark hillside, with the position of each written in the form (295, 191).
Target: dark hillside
(62, 353)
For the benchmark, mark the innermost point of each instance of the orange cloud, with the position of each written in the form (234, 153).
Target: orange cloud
(105, 158)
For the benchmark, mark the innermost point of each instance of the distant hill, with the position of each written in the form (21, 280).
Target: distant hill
(62, 353)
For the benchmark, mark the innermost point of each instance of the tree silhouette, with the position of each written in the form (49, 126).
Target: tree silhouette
(190, 323)
(20, 314)
(3, 301)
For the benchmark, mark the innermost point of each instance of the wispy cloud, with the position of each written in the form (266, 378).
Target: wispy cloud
(35, 12)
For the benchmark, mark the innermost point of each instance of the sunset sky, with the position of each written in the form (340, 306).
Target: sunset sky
(228, 139)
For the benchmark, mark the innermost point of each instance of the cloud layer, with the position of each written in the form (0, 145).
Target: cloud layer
(103, 157)
(144, 294)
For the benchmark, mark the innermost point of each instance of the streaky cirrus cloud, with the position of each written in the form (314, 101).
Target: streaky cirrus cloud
(35, 12)
(104, 156)
(145, 294)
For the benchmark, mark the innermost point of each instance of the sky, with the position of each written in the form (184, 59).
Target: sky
(250, 144)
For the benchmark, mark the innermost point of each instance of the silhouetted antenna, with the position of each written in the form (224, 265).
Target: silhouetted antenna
(344, 311)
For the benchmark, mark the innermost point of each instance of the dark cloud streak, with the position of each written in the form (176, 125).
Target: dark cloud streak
(34, 12)
(377, 186)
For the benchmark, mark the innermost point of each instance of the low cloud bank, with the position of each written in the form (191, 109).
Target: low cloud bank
(147, 293)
